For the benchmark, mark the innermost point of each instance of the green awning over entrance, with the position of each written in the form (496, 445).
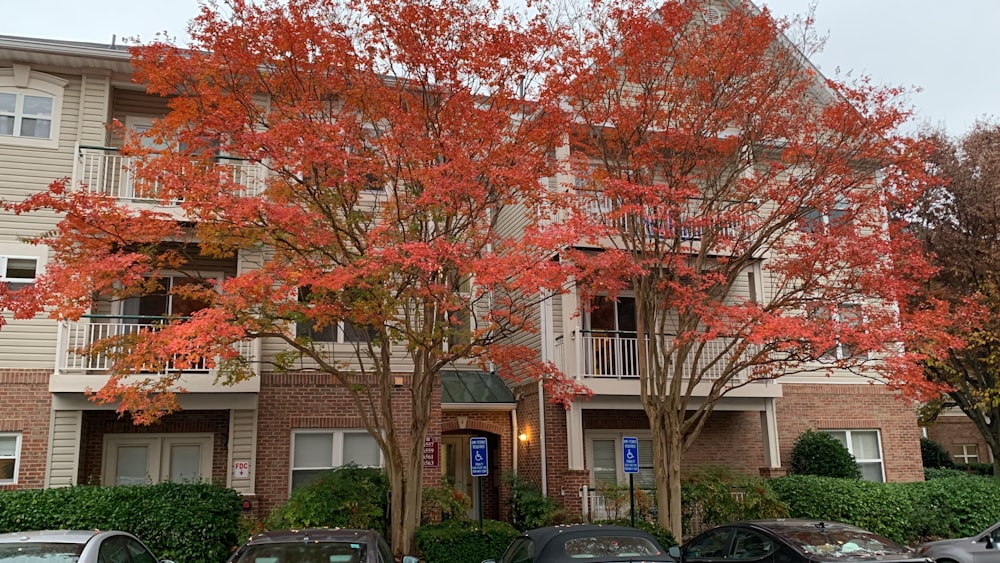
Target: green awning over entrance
(473, 386)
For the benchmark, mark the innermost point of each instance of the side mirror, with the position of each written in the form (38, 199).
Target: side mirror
(989, 543)
(675, 552)
(410, 559)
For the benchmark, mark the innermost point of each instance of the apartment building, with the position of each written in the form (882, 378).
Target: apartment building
(265, 435)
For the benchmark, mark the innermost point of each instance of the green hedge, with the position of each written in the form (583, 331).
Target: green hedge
(458, 541)
(947, 507)
(346, 497)
(189, 522)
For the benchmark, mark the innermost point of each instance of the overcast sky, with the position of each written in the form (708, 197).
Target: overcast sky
(949, 49)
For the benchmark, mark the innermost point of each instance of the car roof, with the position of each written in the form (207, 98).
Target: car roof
(782, 525)
(50, 536)
(549, 532)
(314, 535)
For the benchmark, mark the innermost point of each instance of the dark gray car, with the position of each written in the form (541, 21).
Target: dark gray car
(74, 546)
(316, 545)
(980, 548)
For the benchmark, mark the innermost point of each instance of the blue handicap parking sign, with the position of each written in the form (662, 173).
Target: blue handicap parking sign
(479, 459)
(630, 454)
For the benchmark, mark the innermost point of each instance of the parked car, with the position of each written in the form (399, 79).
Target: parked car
(594, 543)
(74, 546)
(793, 541)
(980, 548)
(316, 545)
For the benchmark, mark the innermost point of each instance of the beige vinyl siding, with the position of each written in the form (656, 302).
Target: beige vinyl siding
(64, 448)
(242, 448)
(95, 110)
(28, 343)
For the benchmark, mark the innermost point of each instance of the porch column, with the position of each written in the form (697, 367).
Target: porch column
(65, 436)
(574, 437)
(769, 430)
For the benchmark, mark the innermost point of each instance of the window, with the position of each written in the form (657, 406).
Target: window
(847, 314)
(343, 331)
(814, 220)
(967, 453)
(10, 455)
(606, 463)
(139, 459)
(18, 271)
(316, 451)
(30, 105)
(866, 447)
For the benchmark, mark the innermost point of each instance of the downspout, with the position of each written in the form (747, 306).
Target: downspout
(513, 428)
(545, 319)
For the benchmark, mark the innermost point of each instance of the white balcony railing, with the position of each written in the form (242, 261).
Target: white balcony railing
(686, 225)
(74, 338)
(611, 354)
(104, 170)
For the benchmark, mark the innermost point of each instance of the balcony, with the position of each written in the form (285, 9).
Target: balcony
(76, 371)
(684, 225)
(104, 170)
(608, 363)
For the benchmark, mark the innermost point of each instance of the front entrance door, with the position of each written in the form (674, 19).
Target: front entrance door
(456, 468)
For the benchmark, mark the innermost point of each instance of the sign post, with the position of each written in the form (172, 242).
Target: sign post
(630, 458)
(479, 460)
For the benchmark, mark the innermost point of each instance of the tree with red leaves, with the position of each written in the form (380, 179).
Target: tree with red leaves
(401, 155)
(745, 198)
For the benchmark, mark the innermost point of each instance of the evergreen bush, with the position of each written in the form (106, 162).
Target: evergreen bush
(458, 541)
(817, 453)
(934, 454)
(346, 497)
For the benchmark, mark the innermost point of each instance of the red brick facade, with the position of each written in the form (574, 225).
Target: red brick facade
(27, 407)
(848, 407)
(953, 431)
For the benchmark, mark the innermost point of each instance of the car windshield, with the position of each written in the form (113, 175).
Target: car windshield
(304, 552)
(844, 543)
(609, 546)
(40, 552)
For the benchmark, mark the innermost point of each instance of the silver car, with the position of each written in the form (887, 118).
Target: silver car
(981, 548)
(74, 546)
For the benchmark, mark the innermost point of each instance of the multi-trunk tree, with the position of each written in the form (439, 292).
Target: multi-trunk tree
(395, 136)
(958, 222)
(745, 198)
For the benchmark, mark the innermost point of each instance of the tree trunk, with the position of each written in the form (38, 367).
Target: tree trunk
(406, 475)
(667, 445)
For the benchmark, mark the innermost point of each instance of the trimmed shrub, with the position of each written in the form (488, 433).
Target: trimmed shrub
(910, 513)
(934, 454)
(457, 541)
(942, 473)
(529, 508)
(817, 453)
(346, 497)
(982, 469)
(444, 503)
(718, 495)
(182, 522)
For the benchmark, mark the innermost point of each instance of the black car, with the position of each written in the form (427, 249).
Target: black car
(583, 542)
(792, 541)
(316, 545)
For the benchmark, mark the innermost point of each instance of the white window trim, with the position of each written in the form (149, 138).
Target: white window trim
(157, 444)
(22, 80)
(850, 446)
(217, 278)
(591, 435)
(17, 456)
(5, 258)
(338, 449)
(965, 456)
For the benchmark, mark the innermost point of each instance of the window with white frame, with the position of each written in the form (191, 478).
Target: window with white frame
(866, 447)
(17, 272)
(605, 459)
(335, 332)
(847, 313)
(10, 456)
(139, 459)
(30, 105)
(815, 220)
(967, 453)
(317, 451)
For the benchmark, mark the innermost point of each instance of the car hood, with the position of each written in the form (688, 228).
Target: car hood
(942, 543)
